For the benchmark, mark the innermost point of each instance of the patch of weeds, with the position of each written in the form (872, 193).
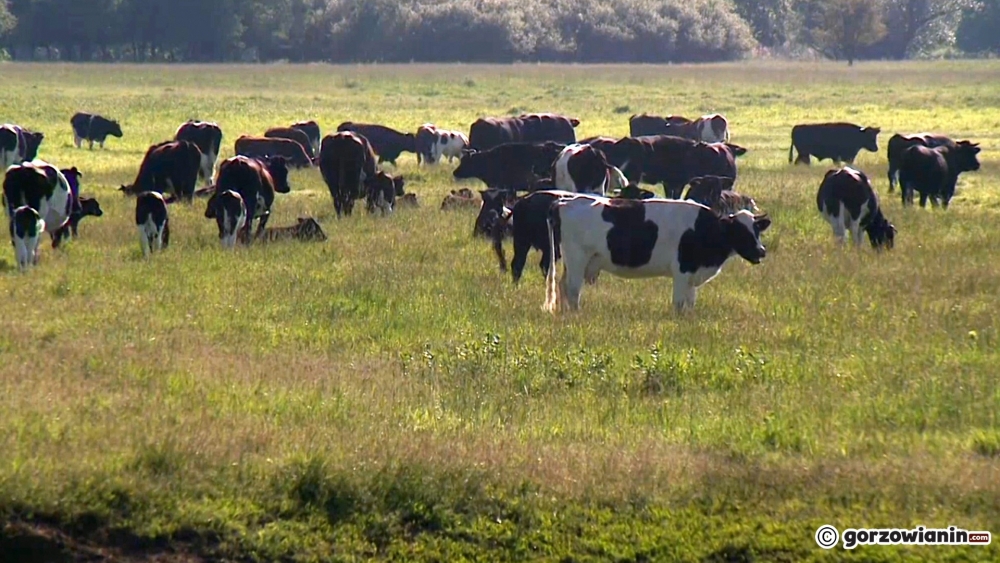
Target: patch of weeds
(986, 443)
(661, 374)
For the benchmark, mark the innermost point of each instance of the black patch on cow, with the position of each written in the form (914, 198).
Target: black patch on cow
(631, 238)
(705, 245)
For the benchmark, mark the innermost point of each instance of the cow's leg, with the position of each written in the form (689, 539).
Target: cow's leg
(262, 223)
(684, 293)
(166, 234)
(591, 272)
(101, 143)
(837, 223)
(251, 203)
(923, 199)
(91, 141)
(856, 235)
(143, 240)
(892, 177)
(574, 271)
(521, 248)
(77, 140)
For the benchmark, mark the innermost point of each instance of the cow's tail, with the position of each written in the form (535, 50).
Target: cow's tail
(552, 296)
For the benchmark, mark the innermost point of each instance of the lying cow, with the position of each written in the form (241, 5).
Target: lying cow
(463, 198)
(168, 167)
(264, 147)
(305, 229)
(840, 142)
(645, 238)
(848, 202)
(933, 172)
(90, 127)
(387, 143)
(207, 136)
(584, 169)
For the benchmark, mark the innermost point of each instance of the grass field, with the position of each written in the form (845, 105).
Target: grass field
(390, 395)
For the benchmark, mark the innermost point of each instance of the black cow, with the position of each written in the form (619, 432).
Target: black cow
(88, 206)
(840, 142)
(256, 180)
(511, 166)
(717, 193)
(387, 143)
(264, 147)
(90, 127)
(293, 134)
(848, 202)
(346, 162)
(646, 124)
(382, 191)
(311, 129)
(527, 220)
(672, 161)
(168, 167)
(489, 132)
(494, 210)
(899, 143)
(934, 171)
(207, 136)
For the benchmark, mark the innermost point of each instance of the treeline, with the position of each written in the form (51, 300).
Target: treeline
(492, 30)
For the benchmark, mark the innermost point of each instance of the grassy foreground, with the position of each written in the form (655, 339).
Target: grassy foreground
(390, 395)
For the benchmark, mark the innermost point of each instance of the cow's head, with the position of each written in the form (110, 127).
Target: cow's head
(964, 157)
(881, 233)
(871, 138)
(742, 230)
(89, 206)
(410, 142)
(73, 178)
(277, 166)
(114, 129)
(736, 149)
(32, 140)
(471, 165)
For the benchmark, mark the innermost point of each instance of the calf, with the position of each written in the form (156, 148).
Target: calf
(529, 229)
(716, 193)
(512, 166)
(898, 144)
(495, 208)
(152, 221)
(346, 162)
(382, 191)
(90, 127)
(257, 181)
(168, 167)
(46, 189)
(934, 171)
(26, 227)
(645, 238)
(387, 143)
(293, 134)
(230, 216)
(306, 229)
(311, 129)
(88, 207)
(207, 136)
(460, 199)
(584, 169)
(266, 147)
(409, 200)
(840, 142)
(848, 202)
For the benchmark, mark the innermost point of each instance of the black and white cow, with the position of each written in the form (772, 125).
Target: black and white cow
(848, 202)
(642, 239)
(152, 221)
(18, 144)
(207, 136)
(90, 127)
(230, 216)
(582, 168)
(711, 128)
(26, 227)
(434, 143)
(382, 192)
(933, 172)
(46, 189)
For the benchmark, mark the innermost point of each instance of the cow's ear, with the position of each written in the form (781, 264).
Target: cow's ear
(727, 183)
(761, 222)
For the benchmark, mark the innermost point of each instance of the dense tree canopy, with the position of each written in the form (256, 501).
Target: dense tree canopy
(487, 30)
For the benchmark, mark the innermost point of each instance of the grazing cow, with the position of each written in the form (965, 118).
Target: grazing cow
(207, 136)
(306, 229)
(90, 127)
(934, 171)
(645, 238)
(230, 216)
(26, 227)
(711, 128)
(152, 221)
(409, 200)
(311, 129)
(672, 161)
(460, 199)
(529, 229)
(293, 134)
(264, 147)
(425, 141)
(168, 167)
(848, 202)
(382, 191)
(88, 207)
(256, 180)
(387, 143)
(18, 144)
(346, 162)
(512, 166)
(488, 132)
(46, 189)
(840, 142)
(716, 193)
(899, 143)
(584, 169)
(495, 208)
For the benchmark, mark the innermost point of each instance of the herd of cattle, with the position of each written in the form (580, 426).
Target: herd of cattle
(583, 203)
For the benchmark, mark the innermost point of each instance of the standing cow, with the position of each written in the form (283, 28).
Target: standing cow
(489, 132)
(346, 162)
(90, 127)
(934, 171)
(585, 169)
(46, 189)
(847, 200)
(311, 129)
(840, 142)
(207, 136)
(898, 144)
(387, 143)
(256, 180)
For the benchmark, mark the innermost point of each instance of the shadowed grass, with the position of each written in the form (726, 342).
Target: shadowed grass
(390, 394)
